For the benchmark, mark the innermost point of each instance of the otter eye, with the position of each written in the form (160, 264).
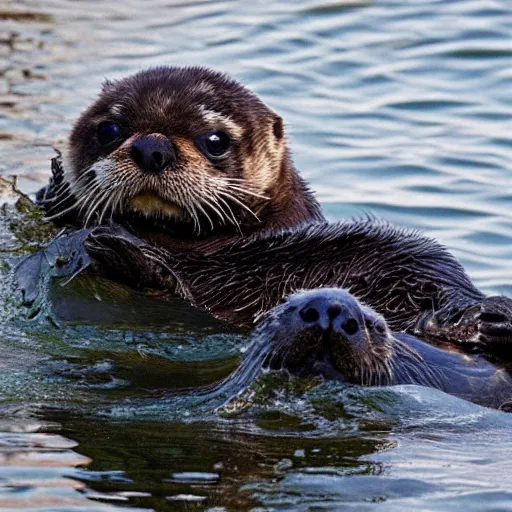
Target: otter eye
(214, 144)
(108, 132)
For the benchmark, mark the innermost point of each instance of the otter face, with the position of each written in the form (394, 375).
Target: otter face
(328, 332)
(188, 144)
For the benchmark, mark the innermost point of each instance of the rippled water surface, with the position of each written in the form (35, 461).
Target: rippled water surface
(400, 108)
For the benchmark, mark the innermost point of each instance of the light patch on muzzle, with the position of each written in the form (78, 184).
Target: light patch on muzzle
(150, 204)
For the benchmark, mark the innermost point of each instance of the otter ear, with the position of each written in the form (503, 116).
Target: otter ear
(278, 127)
(106, 85)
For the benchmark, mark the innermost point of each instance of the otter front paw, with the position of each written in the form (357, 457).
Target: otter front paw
(494, 323)
(123, 257)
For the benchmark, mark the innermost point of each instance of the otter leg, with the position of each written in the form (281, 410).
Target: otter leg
(125, 258)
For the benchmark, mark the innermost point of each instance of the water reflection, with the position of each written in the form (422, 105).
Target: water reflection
(209, 461)
(36, 469)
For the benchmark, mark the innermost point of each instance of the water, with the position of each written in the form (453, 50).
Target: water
(400, 108)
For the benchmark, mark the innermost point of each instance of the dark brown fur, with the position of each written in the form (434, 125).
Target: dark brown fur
(414, 282)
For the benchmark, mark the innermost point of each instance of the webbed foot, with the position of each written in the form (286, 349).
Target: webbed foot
(494, 324)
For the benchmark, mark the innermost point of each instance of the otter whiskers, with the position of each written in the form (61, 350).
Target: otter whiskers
(105, 189)
(62, 194)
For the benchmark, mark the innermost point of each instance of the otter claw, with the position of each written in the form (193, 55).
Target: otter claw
(486, 325)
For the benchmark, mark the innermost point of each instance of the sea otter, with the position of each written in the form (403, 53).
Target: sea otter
(187, 175)
(328, 332)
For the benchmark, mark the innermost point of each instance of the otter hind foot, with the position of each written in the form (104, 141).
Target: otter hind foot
(485, 325)
(494, 324)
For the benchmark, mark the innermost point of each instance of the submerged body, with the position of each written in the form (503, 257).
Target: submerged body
(325, 331)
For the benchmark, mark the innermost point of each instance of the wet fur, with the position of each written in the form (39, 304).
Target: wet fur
(413, 281)
(379, 357)
(397, 359)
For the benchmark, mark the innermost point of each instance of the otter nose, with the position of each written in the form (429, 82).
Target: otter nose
(323, 312)
(152, 153)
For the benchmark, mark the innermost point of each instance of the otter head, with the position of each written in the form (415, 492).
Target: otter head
(328, 332)
(189, 145)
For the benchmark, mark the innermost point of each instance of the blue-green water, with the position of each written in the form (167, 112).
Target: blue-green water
(400, 108)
